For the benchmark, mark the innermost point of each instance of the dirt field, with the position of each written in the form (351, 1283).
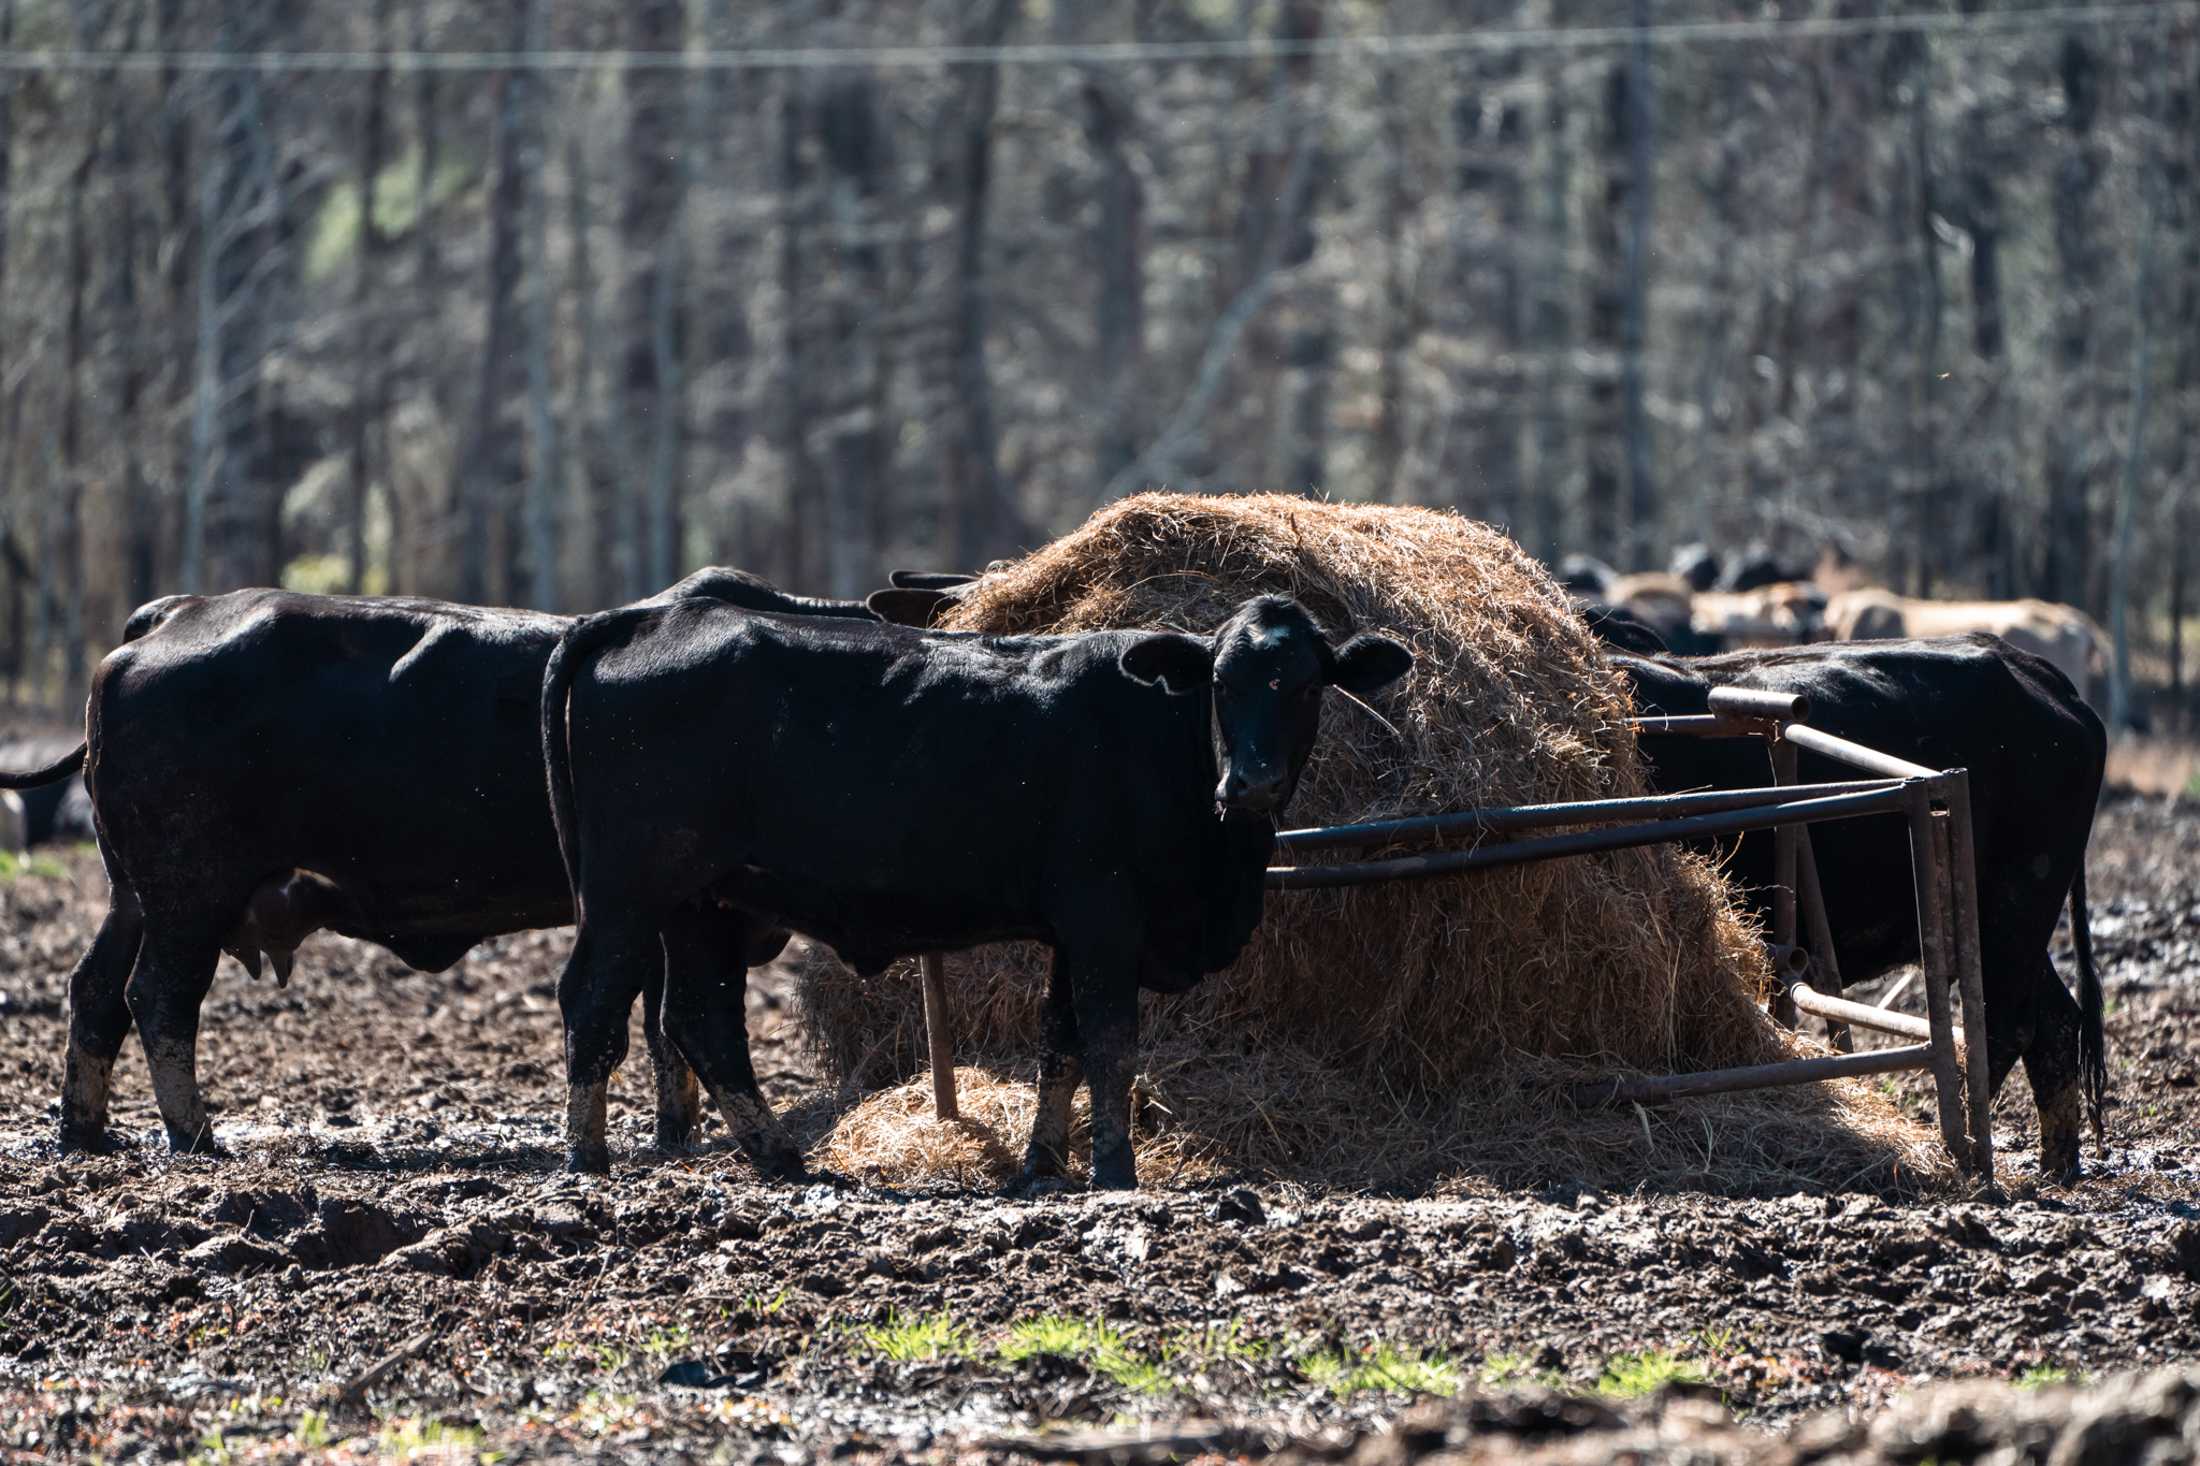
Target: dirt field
(391, 1262)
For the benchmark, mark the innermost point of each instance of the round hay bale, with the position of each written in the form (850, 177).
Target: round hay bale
(1403, 997)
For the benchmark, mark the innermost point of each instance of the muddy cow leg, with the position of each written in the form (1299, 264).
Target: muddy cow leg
(1104, 991)
(706, 1014)
(99, 1016)
(677, 1096)
(611, 963)
(1048, 1154)
(175, 967)
(2051, 1065)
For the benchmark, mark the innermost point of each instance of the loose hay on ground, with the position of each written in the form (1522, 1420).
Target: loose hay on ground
(1370, 1029)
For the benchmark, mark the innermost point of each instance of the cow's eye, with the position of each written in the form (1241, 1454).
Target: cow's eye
(1275, 684)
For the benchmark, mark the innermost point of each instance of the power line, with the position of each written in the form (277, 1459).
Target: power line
(1250, 48)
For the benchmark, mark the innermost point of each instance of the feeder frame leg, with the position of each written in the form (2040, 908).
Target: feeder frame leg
(1929, 868)
(1813, 899)
(1970, 978)
(932, 968)
(1784, 842)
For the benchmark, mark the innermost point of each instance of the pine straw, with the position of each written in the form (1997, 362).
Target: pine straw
(1402, 1031)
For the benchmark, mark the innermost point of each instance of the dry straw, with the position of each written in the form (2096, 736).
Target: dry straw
(1403, 1032)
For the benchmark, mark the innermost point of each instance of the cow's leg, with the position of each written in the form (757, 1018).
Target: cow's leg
(612, 961)
(677, 1095)
(99, 1016)
(1048, 1154)
(706, 1014)
(2051, 1065)
(175, 967)
(1106, 998)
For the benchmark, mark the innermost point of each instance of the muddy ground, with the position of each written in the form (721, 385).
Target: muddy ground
(391, 1262)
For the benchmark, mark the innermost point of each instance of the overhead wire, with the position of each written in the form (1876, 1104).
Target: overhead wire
(1372, 46)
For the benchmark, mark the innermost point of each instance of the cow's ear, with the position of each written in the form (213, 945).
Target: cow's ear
(1179, 663)
(908, 607)
(1369, 663)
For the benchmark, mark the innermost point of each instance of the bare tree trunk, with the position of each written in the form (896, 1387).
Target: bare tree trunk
(180, 245)
(2127, 501)
(545, 477)
(17, 565)
(1551, 485)
(140, 515)
(1119, 324)
(65, 551)
(855, 146)
(2064, 569)
(653, 312)
(1641, 492)
(1386, 449)
(368, 405)
(487, 474)
(598, 493)
(978, 518)
(427, 124)
(803, 483)
(236, 509)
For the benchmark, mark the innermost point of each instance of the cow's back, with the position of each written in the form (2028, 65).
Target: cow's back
(387, 744)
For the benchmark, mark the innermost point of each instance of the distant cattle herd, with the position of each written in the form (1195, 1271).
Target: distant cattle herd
(728, 764)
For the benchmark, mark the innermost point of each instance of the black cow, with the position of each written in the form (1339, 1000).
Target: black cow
(890, 791)
(2035, 753)
(1586, 575)
(263, 764)
(1698, 564)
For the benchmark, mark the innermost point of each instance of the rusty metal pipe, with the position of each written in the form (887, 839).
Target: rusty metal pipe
(1819, 928)
(1864, 1015)
(1856, 755)
(1504, 819)
(1654, 1089)
(1783, 867)
(1929, 873)
(1787, 959)
(1970, 979)
(1750, 702)
(1889, 800)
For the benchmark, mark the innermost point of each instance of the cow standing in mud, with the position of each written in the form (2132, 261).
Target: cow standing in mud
(2035, 755)
(264, 764)
(891, 791)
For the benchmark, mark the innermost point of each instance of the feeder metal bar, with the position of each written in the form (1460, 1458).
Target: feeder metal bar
(1855, 755)
(1654, 1089)
(1886, 800)
(1503, 819)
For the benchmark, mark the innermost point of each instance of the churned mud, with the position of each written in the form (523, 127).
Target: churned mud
(391, 1263)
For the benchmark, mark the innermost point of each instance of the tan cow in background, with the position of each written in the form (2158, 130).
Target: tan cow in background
(2062, 635)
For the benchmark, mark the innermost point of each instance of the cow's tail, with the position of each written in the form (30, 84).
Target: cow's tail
(59, 769)
(575, 647)
(145, 618)
(2092, 1046)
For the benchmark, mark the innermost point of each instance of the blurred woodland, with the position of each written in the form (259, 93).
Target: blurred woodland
(545, 303)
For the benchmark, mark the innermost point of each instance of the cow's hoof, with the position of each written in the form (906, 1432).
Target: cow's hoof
(779, 1160)
(1116, 1176)
(675, 1137)
(1042, 1163)
(199, 1142)
(589, 1160)
(89, 1140)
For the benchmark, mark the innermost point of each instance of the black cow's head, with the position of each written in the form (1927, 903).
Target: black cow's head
(1266, 667)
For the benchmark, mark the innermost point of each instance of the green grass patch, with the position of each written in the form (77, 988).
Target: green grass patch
(1631, 1376)
(1099, 1347)
(2040, 1376)
(410, 1438)
(1389, 1368)
(13, 865)
(905, 1338)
